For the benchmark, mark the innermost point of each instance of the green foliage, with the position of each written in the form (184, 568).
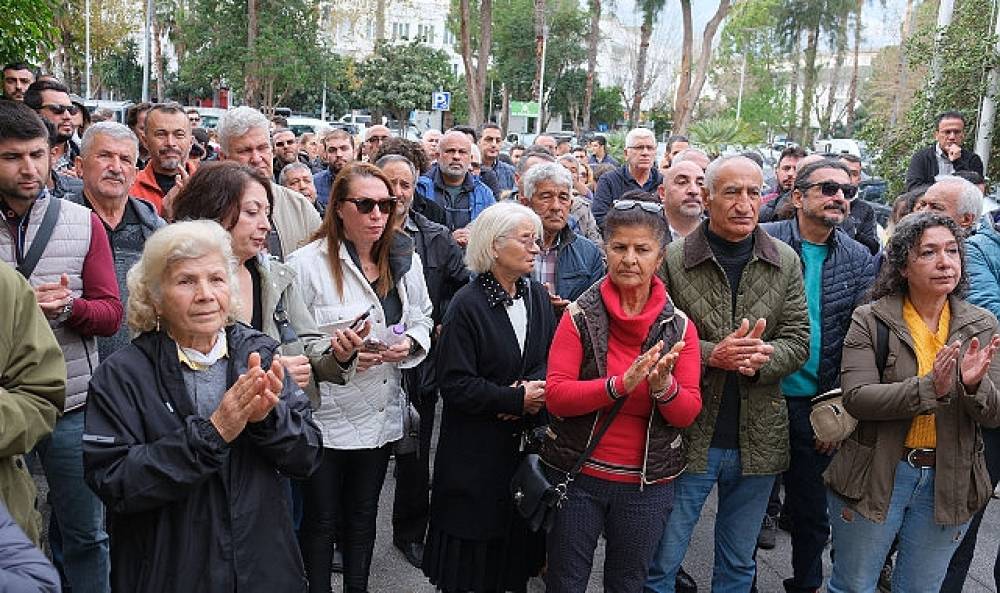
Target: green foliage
(26, 30)
(400, 78)
(606, 106)
(713, 134)
(966, 53)
(122, 72)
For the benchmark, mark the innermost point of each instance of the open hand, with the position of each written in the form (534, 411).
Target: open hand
(943, 371)
(976, 362)
(662, 374)
(641, 367)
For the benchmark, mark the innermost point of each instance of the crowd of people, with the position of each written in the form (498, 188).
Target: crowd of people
(216, 344)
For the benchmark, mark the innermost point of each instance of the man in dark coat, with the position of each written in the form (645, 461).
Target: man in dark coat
(945, 156)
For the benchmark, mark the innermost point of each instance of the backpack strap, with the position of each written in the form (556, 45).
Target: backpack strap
(881, 346)
(41, 240)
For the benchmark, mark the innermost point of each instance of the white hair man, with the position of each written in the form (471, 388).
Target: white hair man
(638, 173)
(106, 163)
(954, 198)
(298, 177)
(245, 137)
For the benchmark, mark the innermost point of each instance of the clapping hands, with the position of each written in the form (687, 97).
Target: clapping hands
(250, 399)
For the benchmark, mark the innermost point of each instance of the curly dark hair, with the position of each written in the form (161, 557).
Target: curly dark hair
(413, 151)
(904, 240)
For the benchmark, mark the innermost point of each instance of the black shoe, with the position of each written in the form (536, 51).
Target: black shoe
(768, 533)
(338, 561)
(413, 551)
(785, 522)
(885, 577)
(684, 583)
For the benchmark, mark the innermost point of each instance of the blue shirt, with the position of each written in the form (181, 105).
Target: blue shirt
(804, 382)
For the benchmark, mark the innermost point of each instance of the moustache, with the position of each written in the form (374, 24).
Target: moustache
(113, 177)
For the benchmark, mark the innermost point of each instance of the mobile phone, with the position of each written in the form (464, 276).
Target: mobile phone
(359, 321)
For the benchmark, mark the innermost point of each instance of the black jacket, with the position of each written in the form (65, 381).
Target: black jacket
(478, 361)
(924, 166)
(187, 512)
(859, 225)
(848, 273)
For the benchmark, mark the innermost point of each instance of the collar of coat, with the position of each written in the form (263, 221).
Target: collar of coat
(697, 250)
(967, 320)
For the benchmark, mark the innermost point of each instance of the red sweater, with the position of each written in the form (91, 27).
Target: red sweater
(566, 395)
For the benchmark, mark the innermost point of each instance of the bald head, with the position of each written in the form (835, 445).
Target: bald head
(681, 192)
(374, 137)
(954, 197)
(547, 142)
(454, 156)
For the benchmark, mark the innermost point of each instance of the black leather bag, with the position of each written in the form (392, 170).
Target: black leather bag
(536, 498)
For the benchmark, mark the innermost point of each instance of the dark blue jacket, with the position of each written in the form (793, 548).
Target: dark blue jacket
(982, 264)
(578, 264)
(480, 196)
(188, 512)
(23, 567)
(615, 183)
(848, 273)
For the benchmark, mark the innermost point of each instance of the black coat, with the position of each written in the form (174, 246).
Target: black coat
(187, 512)
(478, 360)
(924, 166)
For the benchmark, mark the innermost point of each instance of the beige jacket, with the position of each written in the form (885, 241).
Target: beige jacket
(863, 470)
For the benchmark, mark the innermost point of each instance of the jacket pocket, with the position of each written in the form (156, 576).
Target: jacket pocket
(850, 469)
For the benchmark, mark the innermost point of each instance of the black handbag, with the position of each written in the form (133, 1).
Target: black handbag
(536, 499)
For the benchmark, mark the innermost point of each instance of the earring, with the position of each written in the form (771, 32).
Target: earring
(157, 323)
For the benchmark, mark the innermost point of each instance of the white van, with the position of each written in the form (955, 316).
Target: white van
(839, 146)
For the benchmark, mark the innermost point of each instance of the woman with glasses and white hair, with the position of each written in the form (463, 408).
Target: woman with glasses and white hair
(626, 362)
(359, 269)
(491, 366)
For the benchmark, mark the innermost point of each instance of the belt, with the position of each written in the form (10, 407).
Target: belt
(920, 458)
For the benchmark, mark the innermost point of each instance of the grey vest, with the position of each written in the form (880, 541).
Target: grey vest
(65, 253)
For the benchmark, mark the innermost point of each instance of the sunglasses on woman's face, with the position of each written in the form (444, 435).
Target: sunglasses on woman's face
(829, 189)
(366, 205)
(651, 207)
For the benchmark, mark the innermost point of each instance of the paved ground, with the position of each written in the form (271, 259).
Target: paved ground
(392, 574)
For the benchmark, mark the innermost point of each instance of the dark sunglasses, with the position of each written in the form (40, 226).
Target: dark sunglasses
(61, 109)
(651, 207)
(366, 205)
(829, 189)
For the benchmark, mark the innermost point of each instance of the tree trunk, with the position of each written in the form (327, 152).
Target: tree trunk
(483, 56)
(473, 90)
(505, 108)
(379, 20)
(593, 39)
(157, 43)
(645, 31)
(826, 120)
(704, 61)
(808, 86)
(682, 100)
(539, 19)
(251, 89)
(901, 66)
(852, 90)
(794, 90)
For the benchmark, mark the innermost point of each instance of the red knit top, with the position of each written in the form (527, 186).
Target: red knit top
(618, 457)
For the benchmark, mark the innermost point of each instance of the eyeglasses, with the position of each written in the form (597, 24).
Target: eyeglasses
(284, 143)
(643, 147)
(377, 139)
(61, 109)
(830, 189)
(366, 205)
(529, 242)
(651, 207)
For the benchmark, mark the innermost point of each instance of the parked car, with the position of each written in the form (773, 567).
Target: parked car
(301, 125)
(118, 108)
(210, 116)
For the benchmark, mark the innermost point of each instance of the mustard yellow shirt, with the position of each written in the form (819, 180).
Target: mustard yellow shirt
(926, 344)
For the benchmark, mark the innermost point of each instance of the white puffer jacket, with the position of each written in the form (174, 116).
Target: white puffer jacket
(367, 412)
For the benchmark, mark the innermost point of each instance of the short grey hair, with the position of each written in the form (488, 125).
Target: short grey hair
(173, 243)
(712, 172)
(489, 231)
(970, 199)
(636, 133)
(397, 158)
(290, 168)
(237, 122)
(553, 172)
(111, 129)
(685, 155)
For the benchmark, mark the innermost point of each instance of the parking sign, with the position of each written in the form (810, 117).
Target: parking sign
(441, 101)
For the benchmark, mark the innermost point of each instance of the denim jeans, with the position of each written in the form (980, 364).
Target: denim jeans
(958, 568)
(77, 509)
(805, 499)
(347, 482)
(742, 502)
(631, 520)
(924, 546)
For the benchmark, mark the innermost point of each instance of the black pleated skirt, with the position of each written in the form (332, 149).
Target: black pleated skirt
(457, 565)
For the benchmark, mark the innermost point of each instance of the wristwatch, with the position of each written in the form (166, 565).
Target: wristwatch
(67, 310)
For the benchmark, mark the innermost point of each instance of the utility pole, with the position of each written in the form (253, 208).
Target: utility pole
(739, 98)
(86, 17)
(945, 10)
(987, 115)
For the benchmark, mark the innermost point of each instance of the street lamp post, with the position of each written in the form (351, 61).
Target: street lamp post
(541, 81)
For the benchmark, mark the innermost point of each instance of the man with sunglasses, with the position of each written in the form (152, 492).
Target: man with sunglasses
(51, 100)
(374, 137)
(743, 290)
(838, 271)
(946, 155)
(286, 149)
(638, 173)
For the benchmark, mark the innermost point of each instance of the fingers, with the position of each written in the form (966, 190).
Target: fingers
(253, 361)
(758, 329)
(742, 330)
(64, 281)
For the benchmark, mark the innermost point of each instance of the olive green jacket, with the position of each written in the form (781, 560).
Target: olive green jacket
(32, 390)
(863, 470)
(771, 288)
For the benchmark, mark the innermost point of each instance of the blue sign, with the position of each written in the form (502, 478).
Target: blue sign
(441, 101)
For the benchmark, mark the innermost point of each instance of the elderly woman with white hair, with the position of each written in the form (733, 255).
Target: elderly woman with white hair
(491, 362)
(190, 428)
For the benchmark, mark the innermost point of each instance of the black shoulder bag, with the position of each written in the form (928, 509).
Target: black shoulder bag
(535, 497)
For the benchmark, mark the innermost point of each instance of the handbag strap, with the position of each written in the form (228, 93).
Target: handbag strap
(285, 331)
(41, 240)
(619, 404)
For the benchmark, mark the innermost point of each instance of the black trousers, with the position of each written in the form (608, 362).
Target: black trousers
(411, 506)
(349, 482)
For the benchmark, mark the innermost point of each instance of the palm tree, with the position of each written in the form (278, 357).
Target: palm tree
(650, 11)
